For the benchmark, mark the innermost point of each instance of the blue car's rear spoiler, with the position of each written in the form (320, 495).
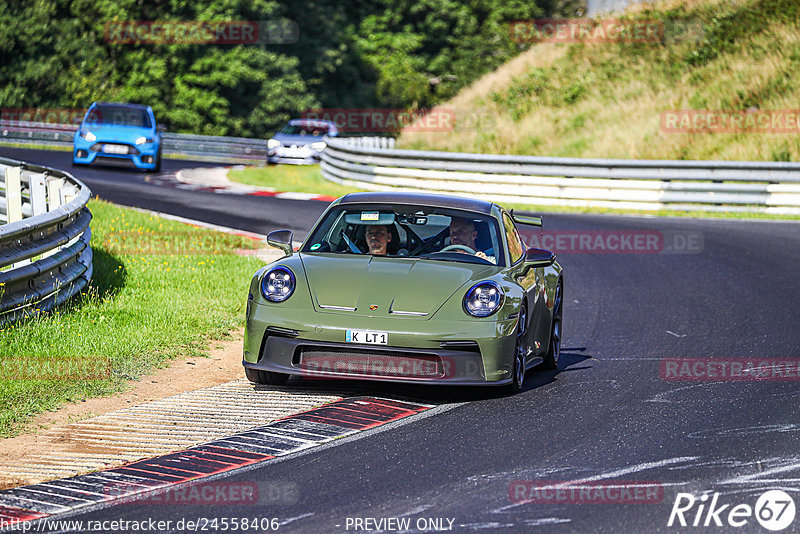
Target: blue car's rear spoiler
(523, 219)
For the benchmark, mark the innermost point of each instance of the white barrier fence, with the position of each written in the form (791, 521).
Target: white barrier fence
(374, 163)
(744, 186)
(45, 257)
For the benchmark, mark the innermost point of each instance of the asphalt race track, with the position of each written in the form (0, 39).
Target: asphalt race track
(129, 187)
(611, 413)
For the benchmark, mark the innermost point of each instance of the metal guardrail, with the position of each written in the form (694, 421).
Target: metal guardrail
(45, 257)
(374, 163)
(744, 186)
(197, 147)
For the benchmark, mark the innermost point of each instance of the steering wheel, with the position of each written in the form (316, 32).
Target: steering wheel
(460, 248)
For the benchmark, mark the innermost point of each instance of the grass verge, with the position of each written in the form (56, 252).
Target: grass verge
(295, 178)
(36, 146)
(161, 289)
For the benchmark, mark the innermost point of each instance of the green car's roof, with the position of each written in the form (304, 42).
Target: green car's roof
(419, 199)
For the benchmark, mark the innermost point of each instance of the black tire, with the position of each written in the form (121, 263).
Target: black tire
(158, 162)
(258, 376)
(554, 349)
(518, 370)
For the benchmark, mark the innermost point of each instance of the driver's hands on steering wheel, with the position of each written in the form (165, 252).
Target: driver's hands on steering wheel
(466, 250)
(458, 248)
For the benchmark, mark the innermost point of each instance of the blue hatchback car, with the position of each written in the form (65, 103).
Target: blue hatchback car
(118, 133)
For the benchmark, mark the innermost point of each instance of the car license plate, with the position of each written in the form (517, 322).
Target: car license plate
(295, 152)
(115, 149)
(365, 336)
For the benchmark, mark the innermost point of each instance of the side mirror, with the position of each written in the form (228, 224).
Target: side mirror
(281, 239)
(539, 257)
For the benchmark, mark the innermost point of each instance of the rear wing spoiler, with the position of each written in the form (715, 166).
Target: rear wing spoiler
(523, 219)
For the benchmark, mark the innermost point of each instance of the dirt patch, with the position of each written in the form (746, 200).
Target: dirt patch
(223, 364)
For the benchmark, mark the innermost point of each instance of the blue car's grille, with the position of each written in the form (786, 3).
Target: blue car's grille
(99, 147)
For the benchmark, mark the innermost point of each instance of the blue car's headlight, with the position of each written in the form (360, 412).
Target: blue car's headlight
(143, 140)
(483, 299)
(89, 136)
(278, 284)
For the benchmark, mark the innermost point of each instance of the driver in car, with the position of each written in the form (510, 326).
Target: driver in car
(378, 238)
(463, 232)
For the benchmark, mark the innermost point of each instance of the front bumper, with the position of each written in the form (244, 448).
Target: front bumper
(293, 155)
(141, 156)
(465, 352)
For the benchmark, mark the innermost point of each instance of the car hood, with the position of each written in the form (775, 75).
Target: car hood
(122, 134)
(378, 287)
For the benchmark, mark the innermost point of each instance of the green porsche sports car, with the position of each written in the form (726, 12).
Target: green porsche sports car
(406, 287)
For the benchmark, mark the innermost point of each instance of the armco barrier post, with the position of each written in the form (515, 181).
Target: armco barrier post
(13, 194)
(54, 186)
(38, 183)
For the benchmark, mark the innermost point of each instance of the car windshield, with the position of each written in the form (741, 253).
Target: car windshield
(118, 116)
(408, 232)
(306, 129)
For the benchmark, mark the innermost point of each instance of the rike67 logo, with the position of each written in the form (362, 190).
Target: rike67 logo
(774, 510)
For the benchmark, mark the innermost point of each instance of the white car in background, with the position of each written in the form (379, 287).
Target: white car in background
(300, 142)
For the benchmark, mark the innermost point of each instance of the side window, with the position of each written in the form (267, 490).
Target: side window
(515, 246)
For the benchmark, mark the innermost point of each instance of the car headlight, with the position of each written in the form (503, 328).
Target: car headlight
(318, 145)
(89, 136)
(143, 140)
(483, 299)
(278, 284)
(273, 143)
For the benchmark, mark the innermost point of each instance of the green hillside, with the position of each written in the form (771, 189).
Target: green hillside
(606, 99)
